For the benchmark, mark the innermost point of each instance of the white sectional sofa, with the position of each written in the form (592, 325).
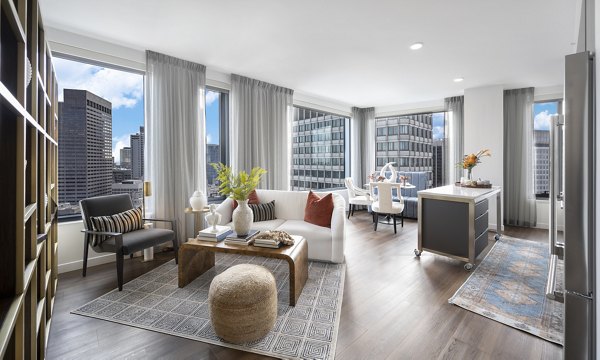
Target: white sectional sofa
(324, 244)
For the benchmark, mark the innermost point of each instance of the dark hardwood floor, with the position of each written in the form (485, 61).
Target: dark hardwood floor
(395, 307)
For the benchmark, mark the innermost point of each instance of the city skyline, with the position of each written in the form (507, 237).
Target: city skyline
(125, 90)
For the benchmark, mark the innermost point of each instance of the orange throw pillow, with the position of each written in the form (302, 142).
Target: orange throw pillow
(252, 199)
(319, 209)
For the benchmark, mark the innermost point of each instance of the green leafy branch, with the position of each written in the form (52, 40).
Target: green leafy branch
(239, 186)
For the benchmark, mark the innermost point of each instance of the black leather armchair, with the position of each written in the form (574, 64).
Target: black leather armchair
(118, 243)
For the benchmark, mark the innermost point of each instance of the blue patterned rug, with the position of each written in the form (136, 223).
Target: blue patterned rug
(509, 287)
(154, 302)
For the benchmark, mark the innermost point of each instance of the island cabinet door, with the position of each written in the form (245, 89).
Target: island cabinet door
(445, 227)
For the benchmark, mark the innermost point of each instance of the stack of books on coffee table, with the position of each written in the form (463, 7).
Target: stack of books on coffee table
(235, 239)
(268, 243)
(209, 235)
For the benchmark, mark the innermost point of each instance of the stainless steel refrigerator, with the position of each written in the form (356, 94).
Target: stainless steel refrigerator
(573, 186)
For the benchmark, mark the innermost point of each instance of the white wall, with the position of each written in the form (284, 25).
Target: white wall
(70, 248)
(484, 118)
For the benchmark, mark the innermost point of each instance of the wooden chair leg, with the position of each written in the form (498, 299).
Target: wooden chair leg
(402, 218)
(119, 256)
(349, 211)
(353, 208)
(394, 216)
(131, 256)
(85, 256)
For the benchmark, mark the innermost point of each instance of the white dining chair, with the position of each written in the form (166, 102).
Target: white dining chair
(356, 196)
(385, 206)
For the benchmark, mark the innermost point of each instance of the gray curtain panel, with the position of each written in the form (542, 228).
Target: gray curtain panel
(260, 129)
(175, 149)
(362, 145)
(454, 151)
(519, 197)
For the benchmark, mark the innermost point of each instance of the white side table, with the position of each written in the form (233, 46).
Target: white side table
(149, 252)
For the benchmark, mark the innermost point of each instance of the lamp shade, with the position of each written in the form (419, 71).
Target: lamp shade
(147, 188)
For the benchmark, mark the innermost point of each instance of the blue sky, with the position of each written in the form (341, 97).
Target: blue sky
(212, 117)
(438, 125)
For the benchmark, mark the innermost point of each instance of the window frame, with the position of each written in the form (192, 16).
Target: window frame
(90, 61)
(560, 111)
(223, 133)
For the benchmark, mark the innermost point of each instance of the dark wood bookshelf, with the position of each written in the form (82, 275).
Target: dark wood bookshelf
(28, 185)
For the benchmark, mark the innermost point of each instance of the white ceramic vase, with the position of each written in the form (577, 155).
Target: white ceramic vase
(242, 218)
(198, 200)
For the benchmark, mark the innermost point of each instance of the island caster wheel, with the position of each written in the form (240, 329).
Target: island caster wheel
(418, 253)
(497, 237)
(468, 266)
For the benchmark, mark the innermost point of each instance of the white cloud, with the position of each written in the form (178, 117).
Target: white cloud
(542, 121)
(208, 139)
(121, 88)
(438, 132)
(211, 97)
(119, 143)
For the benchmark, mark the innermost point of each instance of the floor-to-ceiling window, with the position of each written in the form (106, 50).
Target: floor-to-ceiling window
(414, 142)
(217, 119)
(542, 112)
(101, 133)
(319, 149)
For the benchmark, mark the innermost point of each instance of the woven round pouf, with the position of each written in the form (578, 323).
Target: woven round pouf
(243, 303)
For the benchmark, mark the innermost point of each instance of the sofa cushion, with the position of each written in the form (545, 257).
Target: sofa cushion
(318, 209)
(264, 225)
(263, 212)
(319, 238)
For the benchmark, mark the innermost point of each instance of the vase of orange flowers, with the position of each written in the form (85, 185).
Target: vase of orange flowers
(471, 160)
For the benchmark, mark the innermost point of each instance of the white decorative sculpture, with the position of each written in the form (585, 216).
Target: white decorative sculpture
(213, 218)
(198, 200)
(394, 175)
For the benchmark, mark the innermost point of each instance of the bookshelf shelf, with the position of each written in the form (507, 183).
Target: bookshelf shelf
(28, 225)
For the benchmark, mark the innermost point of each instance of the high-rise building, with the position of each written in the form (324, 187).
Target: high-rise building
(121, 174)
(438, 163)
(135, 189)
(125, 158)
(318, 150)
(85, 151)
(541, 145)
(406, 140)
(137, 154)
(213, 155)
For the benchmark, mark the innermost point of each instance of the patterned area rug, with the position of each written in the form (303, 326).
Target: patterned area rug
(154, 302)
(509, 287)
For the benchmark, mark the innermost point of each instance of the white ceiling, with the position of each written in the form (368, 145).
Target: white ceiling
(352, 51)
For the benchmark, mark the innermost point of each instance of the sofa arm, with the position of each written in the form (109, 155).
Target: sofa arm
(338, 229)
(225, 209)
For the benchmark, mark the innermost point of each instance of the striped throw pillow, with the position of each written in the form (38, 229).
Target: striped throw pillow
(263, 212)
(126, 221)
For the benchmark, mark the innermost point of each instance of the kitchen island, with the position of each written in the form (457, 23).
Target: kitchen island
(453, 221)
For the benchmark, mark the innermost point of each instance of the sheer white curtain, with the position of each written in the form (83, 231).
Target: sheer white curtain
(260, 128)
(175, 144)
(518, 190)
(362, 145)
(454, 151)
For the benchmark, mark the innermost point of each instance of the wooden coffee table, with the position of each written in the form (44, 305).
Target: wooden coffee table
(196, 257)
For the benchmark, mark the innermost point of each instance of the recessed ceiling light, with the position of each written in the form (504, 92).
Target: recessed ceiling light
(458, 79)
(416, 46)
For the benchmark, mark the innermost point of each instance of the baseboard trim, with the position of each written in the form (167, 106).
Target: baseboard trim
(78, 264)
